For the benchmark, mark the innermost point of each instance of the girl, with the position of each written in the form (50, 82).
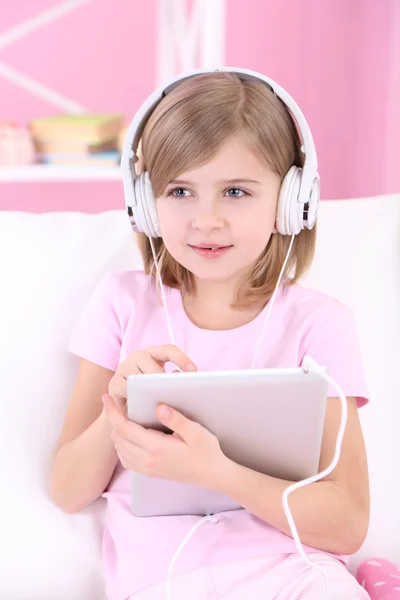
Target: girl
(216, 150)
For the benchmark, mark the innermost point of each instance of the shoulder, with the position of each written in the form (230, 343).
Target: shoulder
(329, 334)
(323, 321)
(314, 306)
(133, 293)
(114, 301)
(130, 283)
(125, 291)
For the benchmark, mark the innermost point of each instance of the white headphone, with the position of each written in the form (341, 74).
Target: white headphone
(297, 210)
(300, 190)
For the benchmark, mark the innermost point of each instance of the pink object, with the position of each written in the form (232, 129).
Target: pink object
(283, 577)
(355, 119)
(16, 145)
(123, 314)
(380, 578)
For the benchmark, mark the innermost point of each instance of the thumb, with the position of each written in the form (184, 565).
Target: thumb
(175, 421)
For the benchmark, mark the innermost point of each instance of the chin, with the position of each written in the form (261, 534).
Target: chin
(214, 270)
(216, 273)
(215, 277)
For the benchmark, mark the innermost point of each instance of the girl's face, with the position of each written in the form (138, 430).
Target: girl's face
(216, 220)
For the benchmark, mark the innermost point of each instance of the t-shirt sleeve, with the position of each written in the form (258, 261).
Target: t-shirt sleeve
(97, 335)
(334, 344)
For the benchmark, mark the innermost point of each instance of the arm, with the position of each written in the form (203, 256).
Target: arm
(85, 457)
(331, 514)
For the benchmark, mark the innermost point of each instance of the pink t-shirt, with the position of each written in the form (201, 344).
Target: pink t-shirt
(124, 314)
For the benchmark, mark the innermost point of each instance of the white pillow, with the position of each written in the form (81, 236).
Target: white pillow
(49, 265)
(358, 261)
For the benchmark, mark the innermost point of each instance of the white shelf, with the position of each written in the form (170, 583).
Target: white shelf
(43, 173)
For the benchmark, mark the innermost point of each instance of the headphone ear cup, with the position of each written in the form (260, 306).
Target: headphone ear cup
(146, 217)
(289, 215)
(140, 222)
(313, 204)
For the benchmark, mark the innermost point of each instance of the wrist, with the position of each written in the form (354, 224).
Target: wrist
(226, 477)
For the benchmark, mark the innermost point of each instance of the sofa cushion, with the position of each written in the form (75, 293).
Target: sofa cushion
(49, 265)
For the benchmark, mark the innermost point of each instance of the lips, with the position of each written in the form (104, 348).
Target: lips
(209, 246)
(212, 251)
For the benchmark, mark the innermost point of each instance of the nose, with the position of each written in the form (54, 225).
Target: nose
(208, 219)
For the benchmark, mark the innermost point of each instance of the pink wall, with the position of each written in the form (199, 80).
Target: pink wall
(392, 158)
(339, 59)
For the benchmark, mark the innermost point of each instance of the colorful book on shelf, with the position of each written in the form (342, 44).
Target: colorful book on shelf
(73, 147)
(101, 159)
(88, 128)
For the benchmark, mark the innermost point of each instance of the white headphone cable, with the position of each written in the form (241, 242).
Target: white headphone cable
(163, 296)
(271, 303)
(309, 365)
(211, 519)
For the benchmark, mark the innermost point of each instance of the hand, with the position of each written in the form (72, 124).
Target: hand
(191, 455)
(152, 360)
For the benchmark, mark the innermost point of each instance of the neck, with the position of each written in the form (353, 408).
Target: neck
(211, 306)
(216, 293)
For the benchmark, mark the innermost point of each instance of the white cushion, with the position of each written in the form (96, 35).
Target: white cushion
(358, 261)
(49, 265)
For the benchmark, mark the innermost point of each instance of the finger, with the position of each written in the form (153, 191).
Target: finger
(116, 418)
(117, 386)
(129, 450)
(127, 429)
(171, 353)
(147, 364)
(138, 363)
(133, 461)
(174, 420)
(129, 367)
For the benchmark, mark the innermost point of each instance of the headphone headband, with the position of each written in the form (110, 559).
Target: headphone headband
(137, 125)
(307, 192)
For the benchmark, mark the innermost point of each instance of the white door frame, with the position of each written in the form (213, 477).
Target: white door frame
(189, 41)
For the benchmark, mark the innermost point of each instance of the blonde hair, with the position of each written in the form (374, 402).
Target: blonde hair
(187, 129)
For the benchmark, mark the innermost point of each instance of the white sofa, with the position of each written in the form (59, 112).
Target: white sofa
(48, 265)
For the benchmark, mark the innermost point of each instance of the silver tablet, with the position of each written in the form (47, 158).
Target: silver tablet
(270, 420)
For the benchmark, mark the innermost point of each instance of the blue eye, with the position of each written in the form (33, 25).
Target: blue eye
(239, 193)
(180, 192)
(176, 195)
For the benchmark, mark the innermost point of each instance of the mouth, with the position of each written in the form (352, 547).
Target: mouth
(210, 250)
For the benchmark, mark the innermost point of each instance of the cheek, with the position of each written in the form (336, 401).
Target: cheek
(172, 225)
(168, 218)
(258, 226)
